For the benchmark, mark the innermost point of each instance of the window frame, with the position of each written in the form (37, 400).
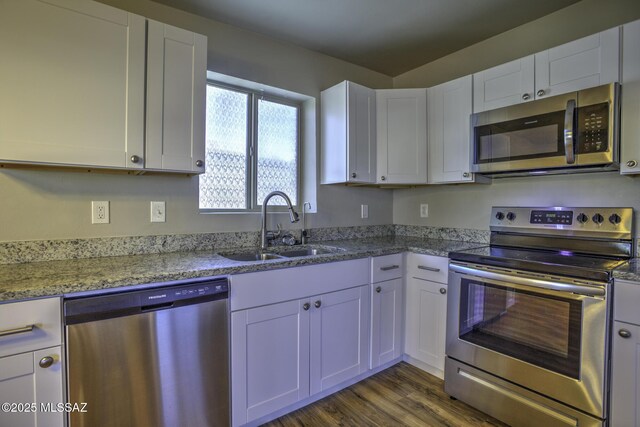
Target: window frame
(252, 146)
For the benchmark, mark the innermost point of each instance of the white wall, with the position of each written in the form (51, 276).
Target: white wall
(469, 205)
(40, 204)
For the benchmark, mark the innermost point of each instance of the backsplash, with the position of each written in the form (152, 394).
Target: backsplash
(443, 233)
(52, 250)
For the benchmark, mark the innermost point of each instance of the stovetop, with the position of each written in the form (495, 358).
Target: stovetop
(562, 263)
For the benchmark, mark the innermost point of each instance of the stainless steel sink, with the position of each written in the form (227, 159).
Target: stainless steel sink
(294, 253)
(249, 256)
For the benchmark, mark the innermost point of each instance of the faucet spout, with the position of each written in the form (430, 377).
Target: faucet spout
(293, 216)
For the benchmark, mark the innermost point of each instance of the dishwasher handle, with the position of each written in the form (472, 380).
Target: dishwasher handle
(108, 306)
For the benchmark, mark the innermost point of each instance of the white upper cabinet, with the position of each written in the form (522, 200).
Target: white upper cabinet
(503, 85)
(348, 132)
(630, 121)
(402, 136)
(580, 64)
(449, 108)
(176, 99)
(73, 90)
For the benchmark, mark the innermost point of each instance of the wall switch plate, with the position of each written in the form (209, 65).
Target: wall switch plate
(424, 210)
(364, 211)
(158, 212)
(100, 212)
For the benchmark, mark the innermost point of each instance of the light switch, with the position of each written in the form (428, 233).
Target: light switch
(158, 212)
(364, 211)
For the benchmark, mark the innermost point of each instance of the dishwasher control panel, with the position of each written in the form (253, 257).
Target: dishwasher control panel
(177, 293)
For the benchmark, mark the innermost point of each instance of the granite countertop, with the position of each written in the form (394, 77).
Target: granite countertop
(69, 277)
(628, 271)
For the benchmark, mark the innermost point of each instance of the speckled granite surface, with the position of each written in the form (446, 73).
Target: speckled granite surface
(629, 271)
(38, 279)
(461, 234)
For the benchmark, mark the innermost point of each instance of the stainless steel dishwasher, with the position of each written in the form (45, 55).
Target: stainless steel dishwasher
(152, 358)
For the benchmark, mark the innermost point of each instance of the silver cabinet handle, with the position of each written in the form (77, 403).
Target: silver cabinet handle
(23, 330)
(466, 175)
(624, 333)
(540, 92)
(389, 267)
(424, 267)
(526, 97)
(378, 289)
(632, 164)
(199, 163)
(353, 175)
(443, 291)
(383, 178)
(318, 304)
(569, 128)
(135, 159)
(306, 306)
(46, 361)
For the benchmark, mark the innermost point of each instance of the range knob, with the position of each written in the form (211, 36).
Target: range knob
(511, 216)
(597, 218)
(499, 216)
(582, 218)
(615, 219)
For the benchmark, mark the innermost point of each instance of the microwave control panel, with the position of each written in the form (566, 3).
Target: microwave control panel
(593, 128)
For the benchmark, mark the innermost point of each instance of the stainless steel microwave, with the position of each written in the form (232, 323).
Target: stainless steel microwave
(574, 132)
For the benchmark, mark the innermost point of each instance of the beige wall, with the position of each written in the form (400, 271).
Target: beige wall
(575, 21)
(53, 205)
(469, 205)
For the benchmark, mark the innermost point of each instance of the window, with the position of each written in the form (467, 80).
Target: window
(252, 148)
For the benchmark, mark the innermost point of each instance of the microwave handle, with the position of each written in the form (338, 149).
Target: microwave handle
(569, 132)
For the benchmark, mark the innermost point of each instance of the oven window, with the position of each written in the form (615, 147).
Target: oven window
(533, 137)
(536, 328)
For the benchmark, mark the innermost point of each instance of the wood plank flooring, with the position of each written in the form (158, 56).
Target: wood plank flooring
(402, 395)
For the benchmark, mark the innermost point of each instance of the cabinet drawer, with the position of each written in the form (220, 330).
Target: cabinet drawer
(428, 267)
(386, 267)
(626, 302)
(30, 325)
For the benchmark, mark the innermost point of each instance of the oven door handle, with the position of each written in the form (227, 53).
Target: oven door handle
(560, 287)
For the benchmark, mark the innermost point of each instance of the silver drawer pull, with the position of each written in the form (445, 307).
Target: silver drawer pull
(424, 267)
(23, 330)
(389, 267)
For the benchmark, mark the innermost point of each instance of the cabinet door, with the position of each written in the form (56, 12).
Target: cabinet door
(580, 64)
(449, 108)
(402, 136)
(73, 91)
(339, 337)
(425, 323)
(23, 381)
(270, 354)
(506, 84)
(176, 98)
(625, 379)
(630, 108)
(361, 133)
(386, 321)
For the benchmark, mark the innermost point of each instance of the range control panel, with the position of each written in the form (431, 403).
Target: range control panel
(563, 220)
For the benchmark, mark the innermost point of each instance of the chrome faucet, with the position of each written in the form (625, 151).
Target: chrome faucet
(264, 241)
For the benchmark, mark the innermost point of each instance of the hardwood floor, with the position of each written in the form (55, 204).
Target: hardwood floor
(402, 395)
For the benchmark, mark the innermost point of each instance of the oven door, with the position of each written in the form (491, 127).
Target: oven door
(547, 335)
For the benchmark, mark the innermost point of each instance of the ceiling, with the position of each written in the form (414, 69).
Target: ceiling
(389, 36)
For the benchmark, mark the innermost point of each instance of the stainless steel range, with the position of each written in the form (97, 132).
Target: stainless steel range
(528, 317)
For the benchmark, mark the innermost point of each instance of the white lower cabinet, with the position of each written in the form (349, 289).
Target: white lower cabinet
(625, 377)
(285, 352)
(426, 312)
(31, 381)
(386, 321)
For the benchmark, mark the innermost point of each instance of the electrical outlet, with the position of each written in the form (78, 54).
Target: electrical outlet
(100, 212)
(364, 211)
(424, 210)
(158, 212)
